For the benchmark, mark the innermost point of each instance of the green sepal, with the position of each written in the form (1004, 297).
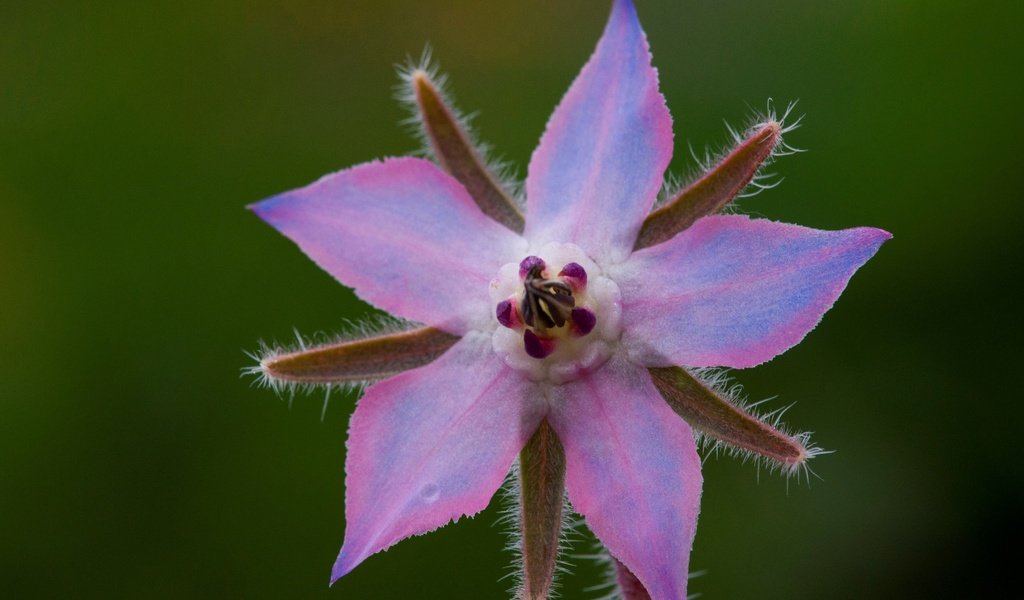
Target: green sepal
(712, 191)
(358, 361)
(712, 414)
(542, 500)
(455, 152)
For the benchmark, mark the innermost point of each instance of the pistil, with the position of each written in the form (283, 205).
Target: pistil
(547, 303)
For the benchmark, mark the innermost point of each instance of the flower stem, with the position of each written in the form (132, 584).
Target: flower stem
(713, 190)
(542, 492)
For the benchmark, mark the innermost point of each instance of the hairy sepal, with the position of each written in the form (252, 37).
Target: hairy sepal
(710, 193)
(710, 411)
(542, 511)
(354, 361)
(450, 142)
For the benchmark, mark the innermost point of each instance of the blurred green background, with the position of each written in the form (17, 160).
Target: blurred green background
(134, 462)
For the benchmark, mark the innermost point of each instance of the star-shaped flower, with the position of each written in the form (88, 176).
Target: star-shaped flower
(557, 335)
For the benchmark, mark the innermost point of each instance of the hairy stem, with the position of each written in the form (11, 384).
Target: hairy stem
(542, 490)
(709, 412)
(456, 153)
(361, 360)
(713, 190)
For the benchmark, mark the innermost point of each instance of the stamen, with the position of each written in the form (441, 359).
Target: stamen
(506, 313)
(575, 275)
(529, 264)
(584, 320)
(537, 347)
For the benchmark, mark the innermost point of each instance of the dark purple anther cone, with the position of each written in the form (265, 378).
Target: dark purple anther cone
(536, 347)
(504, 313)
(528, 264)
(575, 273)
(584, 320)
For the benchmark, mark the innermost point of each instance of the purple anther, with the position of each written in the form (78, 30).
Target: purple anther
(506, 313)
(575, 275)
(584, 320)
(537, 347)
(528, 264)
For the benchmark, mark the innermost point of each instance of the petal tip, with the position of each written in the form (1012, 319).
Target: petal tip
(265, 208)
(624, 5)
(873, 238)
(881, 234)
(581, 185)
(343, 566)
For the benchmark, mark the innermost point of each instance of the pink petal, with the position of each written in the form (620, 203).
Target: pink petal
(734, 291)
(599, 165)
(405, 235)
(632, 471)
(431, 445)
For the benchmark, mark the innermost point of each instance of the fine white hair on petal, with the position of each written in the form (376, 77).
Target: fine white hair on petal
(510, 520)
(720, 381)
(351, 331)
(706, 159)
(504, 171)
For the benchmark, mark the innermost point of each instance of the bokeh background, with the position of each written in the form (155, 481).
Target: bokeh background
(135, 462)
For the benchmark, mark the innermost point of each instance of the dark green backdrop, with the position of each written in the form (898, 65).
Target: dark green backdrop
(134, 462)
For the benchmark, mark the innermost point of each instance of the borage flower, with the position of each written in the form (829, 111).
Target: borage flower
(560, 336)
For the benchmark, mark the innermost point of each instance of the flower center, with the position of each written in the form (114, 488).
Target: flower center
(558, 314)
(547, 303)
